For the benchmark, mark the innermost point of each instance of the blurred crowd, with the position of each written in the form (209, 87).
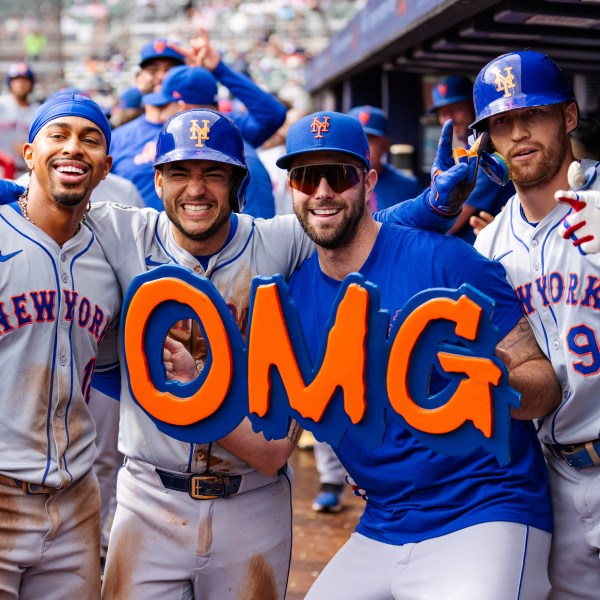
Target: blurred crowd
(100, 39)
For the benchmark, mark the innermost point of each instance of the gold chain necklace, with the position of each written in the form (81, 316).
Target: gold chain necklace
(23, 206)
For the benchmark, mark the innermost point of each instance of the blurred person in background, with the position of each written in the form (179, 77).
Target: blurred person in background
(128, 107)
(452, 98)
(16, 112)
(134, 144)
(393, 185)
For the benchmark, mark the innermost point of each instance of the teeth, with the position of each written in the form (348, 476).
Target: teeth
(195, 207)
(325, 211)
(71, 169)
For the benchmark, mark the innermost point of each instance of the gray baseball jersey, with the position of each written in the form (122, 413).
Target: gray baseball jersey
(56, 305)
(559, 289)
(136, 241)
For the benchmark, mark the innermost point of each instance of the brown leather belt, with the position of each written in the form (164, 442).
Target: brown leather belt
(27, 487)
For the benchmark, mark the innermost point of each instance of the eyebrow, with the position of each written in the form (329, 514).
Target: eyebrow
(85, 130)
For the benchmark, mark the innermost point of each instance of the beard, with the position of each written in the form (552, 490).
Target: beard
(334, 236)
(68, 198)
(544, 169)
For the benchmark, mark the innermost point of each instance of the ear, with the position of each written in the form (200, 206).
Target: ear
(107, 166)
(571, 116)
(28, 156)
(370, 181)
(158, 182)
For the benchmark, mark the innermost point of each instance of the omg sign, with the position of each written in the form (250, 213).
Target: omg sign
(360, 379)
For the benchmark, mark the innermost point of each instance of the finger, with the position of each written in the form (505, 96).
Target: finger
(570, 198)
(571, 229)
(583, 240)
(172, 345)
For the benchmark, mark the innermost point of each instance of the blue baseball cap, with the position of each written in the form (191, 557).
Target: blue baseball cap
(130, 98)
(374, 120)
(326, 131)
(456, 88)
(160, 48)
(192, 85)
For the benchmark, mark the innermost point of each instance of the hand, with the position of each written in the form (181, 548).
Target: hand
(480, 220)
(452, 174)
(205, 54)
(179, 363)
(581, 225)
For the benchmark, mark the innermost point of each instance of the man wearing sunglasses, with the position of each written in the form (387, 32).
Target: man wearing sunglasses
(434, 526)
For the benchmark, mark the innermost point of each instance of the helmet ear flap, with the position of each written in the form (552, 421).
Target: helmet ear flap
(238, 190)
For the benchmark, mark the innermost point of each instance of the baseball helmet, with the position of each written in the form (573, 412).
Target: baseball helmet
(203, 134)
(518, 80)
(326, 131)
(19, 70)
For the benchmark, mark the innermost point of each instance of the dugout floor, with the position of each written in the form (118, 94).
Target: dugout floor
(317, 536)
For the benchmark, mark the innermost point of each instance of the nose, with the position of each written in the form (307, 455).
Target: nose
(72, 146)
(519, 129)
(196, 186)
(324, 190)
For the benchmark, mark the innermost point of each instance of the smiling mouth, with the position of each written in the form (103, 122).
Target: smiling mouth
(195, 208)
(325, 212)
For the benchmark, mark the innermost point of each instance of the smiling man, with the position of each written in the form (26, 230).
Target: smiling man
(527, 105)
(54, 315)
(484, 530)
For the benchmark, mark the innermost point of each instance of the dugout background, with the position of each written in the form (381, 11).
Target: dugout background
(393, 51)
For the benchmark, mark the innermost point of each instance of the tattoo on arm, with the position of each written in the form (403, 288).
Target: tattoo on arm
(294, 432)
(521, 345)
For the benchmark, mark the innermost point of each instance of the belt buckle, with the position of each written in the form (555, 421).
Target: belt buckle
(33, 488)
(196, 487)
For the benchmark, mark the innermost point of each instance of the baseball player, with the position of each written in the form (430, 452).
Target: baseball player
(53, 317)
(214, 544)
(527, 105)
(452, 98)
(16, 113)
(434, 526)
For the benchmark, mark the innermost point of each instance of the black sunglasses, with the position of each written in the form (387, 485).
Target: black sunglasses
(340, 177)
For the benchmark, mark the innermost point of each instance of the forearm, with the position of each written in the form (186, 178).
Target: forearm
(416, 213)
(265, 456)
(529, 372)
(539, 388)
(266, 113)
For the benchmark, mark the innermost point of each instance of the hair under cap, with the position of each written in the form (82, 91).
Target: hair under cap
(70, 105)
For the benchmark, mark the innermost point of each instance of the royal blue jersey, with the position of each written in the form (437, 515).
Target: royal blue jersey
(133, 148)
(393, 186)
(413, 492)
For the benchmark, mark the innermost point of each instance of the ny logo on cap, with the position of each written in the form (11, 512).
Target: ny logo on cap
(319, 127)
(364, 117)
(442, 89)
(505, 82)
(159, 46)
(200, 134)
